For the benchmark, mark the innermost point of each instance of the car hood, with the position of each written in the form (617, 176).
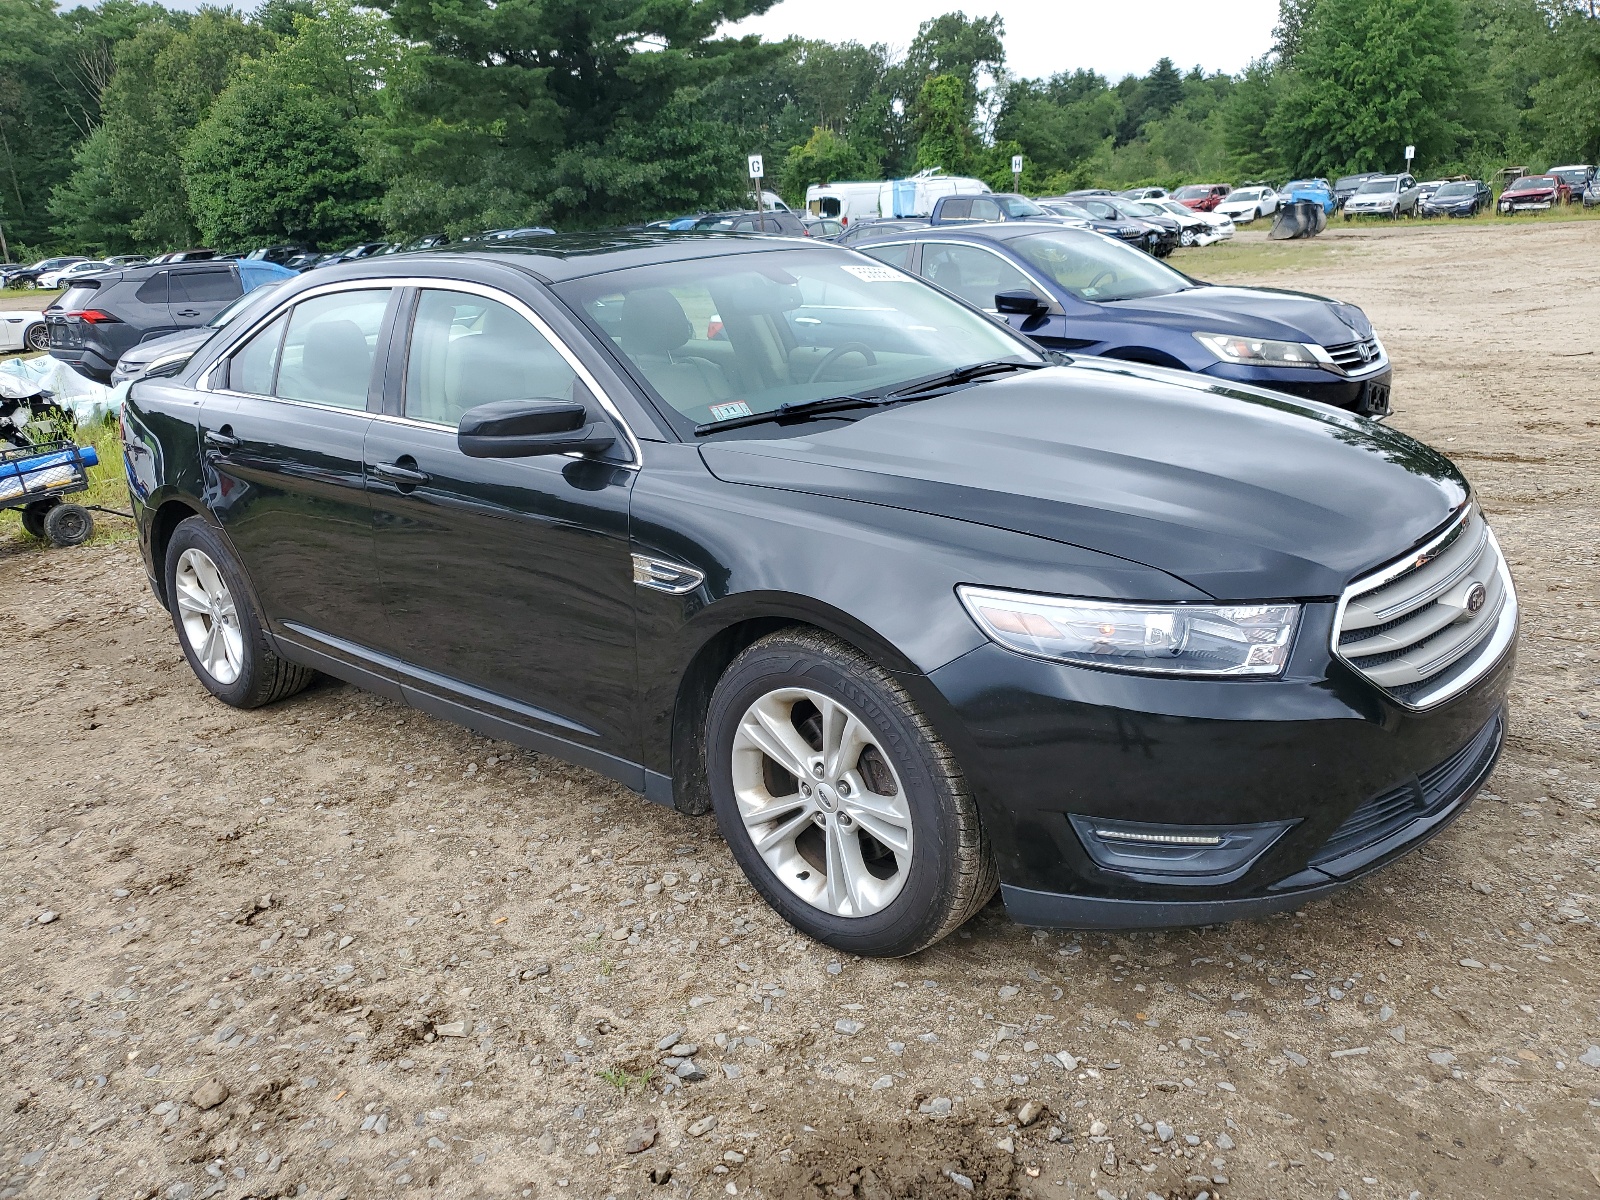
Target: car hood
(1243, 494)
(171, 343)
(1250, 312)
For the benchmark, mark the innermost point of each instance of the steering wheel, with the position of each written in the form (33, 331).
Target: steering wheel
(839, 352)
(1094, 284)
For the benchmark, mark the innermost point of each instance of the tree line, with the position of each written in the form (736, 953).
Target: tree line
(127, 126)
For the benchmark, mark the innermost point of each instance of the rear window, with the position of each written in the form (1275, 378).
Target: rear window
(205, 287)
(77, 297)
(153, 290)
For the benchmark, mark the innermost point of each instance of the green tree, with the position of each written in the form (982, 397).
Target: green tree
(577, 112)
(1371, 77)
(824, 158)
(1247, 115)
(280, 157)
(1566, 111)
(165, 82)
(944, 125)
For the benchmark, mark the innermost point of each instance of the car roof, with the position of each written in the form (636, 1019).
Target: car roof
(556, 258)
(994, 231)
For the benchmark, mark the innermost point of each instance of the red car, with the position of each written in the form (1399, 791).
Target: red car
(1534, 192)
(1202, 197)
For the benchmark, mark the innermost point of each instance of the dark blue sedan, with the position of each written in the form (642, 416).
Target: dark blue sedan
(1086, 293)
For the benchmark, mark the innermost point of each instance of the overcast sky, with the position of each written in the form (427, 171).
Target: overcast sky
(1114, 37)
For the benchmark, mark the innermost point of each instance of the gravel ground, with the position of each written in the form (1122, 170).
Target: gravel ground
(336, 948)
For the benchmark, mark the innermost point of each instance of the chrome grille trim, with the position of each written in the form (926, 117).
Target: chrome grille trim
(1409, 627)
(1357, 357)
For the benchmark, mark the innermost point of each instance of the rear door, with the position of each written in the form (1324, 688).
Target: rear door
(282, 435)
(200, 292)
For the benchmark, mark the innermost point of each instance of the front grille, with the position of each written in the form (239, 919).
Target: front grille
(1425, 795)
(1357, 355)
(1427, 627)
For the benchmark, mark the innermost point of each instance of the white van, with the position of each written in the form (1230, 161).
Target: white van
(843, 201)
(913, 197)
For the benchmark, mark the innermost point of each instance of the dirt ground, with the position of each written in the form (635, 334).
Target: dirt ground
(336, 948)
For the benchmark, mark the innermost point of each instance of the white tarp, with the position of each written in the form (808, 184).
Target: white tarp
(87, 400)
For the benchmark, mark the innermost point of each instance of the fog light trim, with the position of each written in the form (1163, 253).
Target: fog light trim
(1176, 854)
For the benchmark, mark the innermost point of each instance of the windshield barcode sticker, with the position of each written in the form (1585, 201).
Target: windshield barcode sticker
(875, 274)
(726, 412)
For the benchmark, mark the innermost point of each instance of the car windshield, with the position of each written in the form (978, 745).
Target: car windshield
(1304, 184)
(1096, 268)
(1391, 184)
(724, 337)
(1455, 189)
(1062, 209)
(1573, 174)
(1246, 194)
(1195, 191)
(1142, 208)
(1348, 181)
(1532, 183)
(1018, 206)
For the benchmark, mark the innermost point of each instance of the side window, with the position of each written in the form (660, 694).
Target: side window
(205, 287)
(896, 255)
(153, 290)
(986, 210)
(253, 367)
(972, 273)
(468, 350)
(329, 348)
(956, 209)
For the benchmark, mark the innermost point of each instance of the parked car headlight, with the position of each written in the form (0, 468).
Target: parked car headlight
(1157, 639)
(1262, 353)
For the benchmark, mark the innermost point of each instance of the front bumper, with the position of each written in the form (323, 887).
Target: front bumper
(1360, 779)
(1368, 394)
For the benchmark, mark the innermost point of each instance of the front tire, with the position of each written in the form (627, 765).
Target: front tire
(841, 804)
(217, 624)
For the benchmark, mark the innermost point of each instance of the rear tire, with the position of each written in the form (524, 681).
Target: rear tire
(217, 624)
(67, 525)
(39, 337)
(33, 516)
(872, 844)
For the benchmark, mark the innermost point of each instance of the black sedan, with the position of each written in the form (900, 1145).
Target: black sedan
(1079, 291)
(1106, 220)
(1463, 198)
(911, 609)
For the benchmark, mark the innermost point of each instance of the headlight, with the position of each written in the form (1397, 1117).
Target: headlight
(1156, 639)
(1263, 353)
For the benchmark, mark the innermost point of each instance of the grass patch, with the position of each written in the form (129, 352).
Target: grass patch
(108, 487)
(42, 295)
(1234, 260)
(625, 1080)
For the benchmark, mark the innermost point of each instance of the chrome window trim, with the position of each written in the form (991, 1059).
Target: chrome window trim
(1046, 294)
(206, 382)
(1483, 657)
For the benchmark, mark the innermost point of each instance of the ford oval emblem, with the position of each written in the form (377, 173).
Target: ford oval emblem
(1476, 597)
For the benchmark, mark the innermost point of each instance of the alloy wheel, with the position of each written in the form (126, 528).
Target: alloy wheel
(209, 616)
(821, 802)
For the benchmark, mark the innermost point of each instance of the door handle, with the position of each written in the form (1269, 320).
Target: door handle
(395, 473)
(188, 312)
(223, 438)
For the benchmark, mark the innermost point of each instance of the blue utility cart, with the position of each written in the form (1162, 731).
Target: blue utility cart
(35, 478)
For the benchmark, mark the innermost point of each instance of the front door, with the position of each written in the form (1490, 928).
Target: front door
(508, 583)
(282, 442)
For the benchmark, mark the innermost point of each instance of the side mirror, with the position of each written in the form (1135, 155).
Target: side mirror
(525, 428)
(1020, 303)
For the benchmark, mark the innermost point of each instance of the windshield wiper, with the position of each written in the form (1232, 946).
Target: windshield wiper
(958, 377)
(804, 410)
(917, 389)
